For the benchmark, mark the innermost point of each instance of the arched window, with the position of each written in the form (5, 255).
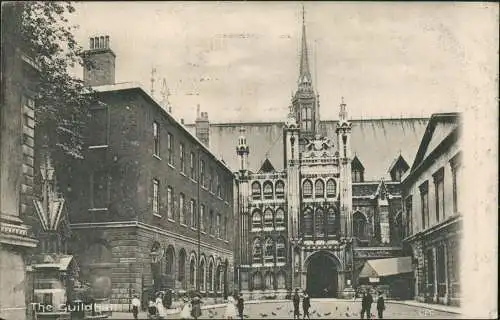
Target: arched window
(307, 189)
(308, 222)
(332, 222)
(269, 251)
(256, 192)
(280, 218)
(319, 189)
(268, 218)
(319, 223)
(280, 250)
(256, 220)
(169, 259)
(398, 221)
(210, 278)
(269, 281)
(257, 251)
(268, 190)
(257, 281)
(331, 188)
(218, 278)
(202, 275)
(280, 189)
(192, 272)
(359, 225)
(182, 267)
(281, 280)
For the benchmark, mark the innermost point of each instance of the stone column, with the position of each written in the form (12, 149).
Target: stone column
(434, 262)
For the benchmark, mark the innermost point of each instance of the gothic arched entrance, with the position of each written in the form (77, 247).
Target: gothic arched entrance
(322, 275)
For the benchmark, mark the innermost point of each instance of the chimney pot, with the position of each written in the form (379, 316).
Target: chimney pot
(182, 121)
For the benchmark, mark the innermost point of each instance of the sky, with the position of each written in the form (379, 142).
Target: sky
(239, 60)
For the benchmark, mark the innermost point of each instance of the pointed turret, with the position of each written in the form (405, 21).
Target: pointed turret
(304, 71)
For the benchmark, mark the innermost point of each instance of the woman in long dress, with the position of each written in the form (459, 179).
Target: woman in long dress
(162, 312)
(186, 310)
(230, 309)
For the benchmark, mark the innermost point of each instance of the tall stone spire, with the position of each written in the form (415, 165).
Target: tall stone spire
(304, 73)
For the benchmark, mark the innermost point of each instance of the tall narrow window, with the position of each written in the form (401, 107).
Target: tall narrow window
(359, 225)
(202, 217)
(441, 270)
(170, 146)
(192, 213)
(439, 187)
(268, 218)
(331, 222)
(156, 196)
(424, 199)
(202, 172)
(430, 272)
(211, 180)
(409, 215)
(156, 139)
(307, 189)
(268, 190)
(217, 226)
(308, 222)
(280, 218)
(182, 209)
(331, 188)
(319, 222)
(170, 203)
(191, 165)
(319, 189)
(256, 220)
(455, 164)
(280, 189)
(225, 228)
(217, 182)
(181, 157)
(269, 251)
(98, 125)
(256, 192)
(280, 250)
(211, 228)
(99, 189)
(257, 251)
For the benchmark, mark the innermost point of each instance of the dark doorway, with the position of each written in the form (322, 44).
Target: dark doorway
(322, 276)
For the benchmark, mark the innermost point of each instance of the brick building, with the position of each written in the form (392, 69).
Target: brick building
(152, 207)
(433, 209)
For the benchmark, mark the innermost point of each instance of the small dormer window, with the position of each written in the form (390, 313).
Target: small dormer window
(357, 170)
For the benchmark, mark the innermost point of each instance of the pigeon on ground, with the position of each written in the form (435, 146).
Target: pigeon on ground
(327, 314)
(263, 315)
(336, 308)
(273, 313)
(246, 316)
(279, 308)
(347, 314)
(347, 308)
(210, 316)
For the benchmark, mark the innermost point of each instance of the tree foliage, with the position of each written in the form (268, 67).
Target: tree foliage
(62, 99)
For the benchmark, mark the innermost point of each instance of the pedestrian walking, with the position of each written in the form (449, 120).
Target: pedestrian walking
(162, 312)
(196, 307)
(306, 304)
(380, 305)
(186, 310)
(296, 304)
(136, 304)
(230, 309)
(366, 305)
(240, 305)
(151, 309)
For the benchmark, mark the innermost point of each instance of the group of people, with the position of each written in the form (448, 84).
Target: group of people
(306, 304)
(366, 305)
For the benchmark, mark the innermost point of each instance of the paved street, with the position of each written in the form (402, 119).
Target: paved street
(320, 309)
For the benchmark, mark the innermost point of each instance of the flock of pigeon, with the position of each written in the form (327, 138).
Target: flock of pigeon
(346, 313)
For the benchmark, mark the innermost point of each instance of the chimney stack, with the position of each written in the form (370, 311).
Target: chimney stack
(202, 125)
(101, 63)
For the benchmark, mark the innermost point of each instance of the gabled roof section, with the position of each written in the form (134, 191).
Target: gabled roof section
(440, 126)
(267, 167)
(399, 162)
(356, 164)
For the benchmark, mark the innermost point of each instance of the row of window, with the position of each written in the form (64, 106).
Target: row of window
(268, 252)
(211, 223)
(319, 188)
(209, 179)
(270, 219)
(439, 197)
(318, 223)
(269, 192)
(270, 281)
(437, 277)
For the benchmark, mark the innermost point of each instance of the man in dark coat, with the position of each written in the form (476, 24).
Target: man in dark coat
(306, 304)
(366, 305)
(296, 304)
(380, 306)
(240, 305)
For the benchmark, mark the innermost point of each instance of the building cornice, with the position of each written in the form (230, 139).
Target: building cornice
(144, 226)
(435, 228)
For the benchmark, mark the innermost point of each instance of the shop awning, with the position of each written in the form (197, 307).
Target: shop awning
(386, 267)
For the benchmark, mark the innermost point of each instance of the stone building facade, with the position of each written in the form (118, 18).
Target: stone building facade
(17, 242)
(433, 210)
(311, 215)
(151, 206)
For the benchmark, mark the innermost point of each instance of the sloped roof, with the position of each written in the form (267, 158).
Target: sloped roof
(399, 162)
(377, 142)
(266, 167)
(356, 163)
(363, 189)
(386, 267)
